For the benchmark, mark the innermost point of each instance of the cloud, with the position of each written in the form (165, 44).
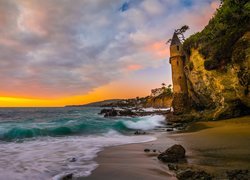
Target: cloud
(152, 7)
(63, 48)
(133, 67)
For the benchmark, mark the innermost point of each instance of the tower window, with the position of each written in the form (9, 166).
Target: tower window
(177, 63)
(178, 48)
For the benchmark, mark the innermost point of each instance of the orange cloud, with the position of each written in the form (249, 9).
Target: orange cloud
(159, 49)
(134, 67)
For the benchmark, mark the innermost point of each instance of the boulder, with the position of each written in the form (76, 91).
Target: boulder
(169, 123)
(173, 154)
(168, 158)
(110, 113)
(172, 167)
(138, 132)
(189, 174)
(113, 112)
(67, 176)
(146, 150)
(177, 150)
(72, 159)
(238, 174)
(104, 111)
(127, 112)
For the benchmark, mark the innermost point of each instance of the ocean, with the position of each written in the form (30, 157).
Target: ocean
(47, 143)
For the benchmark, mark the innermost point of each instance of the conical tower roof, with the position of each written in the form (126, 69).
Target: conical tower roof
(175, 40)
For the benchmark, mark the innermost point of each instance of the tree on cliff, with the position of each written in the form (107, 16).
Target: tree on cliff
(180, 33)
(168, 91)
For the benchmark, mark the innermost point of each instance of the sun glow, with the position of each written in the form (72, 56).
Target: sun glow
(115, 90)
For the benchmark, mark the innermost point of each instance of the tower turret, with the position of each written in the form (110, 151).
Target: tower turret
(177, 61)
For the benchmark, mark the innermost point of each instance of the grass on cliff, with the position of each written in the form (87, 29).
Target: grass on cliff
(216, 42)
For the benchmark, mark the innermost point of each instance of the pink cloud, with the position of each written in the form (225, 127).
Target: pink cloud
(133, 67)
(159, 49)
(32, 19)
(8, 42)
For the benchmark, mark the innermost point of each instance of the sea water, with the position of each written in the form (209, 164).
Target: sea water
(47, 143)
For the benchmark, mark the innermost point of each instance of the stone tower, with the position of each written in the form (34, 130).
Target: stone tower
(177, 61)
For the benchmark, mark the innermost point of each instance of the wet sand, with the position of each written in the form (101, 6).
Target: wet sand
(129, 162)
(211, 146)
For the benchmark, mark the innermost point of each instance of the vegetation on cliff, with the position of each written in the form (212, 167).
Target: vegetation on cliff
(216, 42)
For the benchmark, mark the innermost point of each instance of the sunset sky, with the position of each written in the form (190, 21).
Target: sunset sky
(61, 52)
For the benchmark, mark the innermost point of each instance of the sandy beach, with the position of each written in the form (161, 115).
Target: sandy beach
(218, 146)
(211, 146)
(131, 162)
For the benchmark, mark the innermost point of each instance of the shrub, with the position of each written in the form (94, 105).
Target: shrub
(239, 52)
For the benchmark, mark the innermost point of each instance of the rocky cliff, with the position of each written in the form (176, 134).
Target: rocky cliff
(163, 100)
(224, 93)
(218, 61)
(158, 102)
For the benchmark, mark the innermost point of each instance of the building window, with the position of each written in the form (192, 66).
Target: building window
(178, 48)
(177, 63)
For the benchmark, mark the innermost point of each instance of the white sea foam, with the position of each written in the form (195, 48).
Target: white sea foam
(146, 123)
(50, 158)
(155, 109)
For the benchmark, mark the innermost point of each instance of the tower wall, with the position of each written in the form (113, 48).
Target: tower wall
(178, 75)
(177, 61)
(176, 50)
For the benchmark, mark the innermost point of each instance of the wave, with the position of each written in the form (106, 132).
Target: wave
(41, 143)
(51, 158)
(69, 128)
(26, 132)
(147, 123)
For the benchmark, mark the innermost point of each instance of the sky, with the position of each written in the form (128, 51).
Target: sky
(62, 52)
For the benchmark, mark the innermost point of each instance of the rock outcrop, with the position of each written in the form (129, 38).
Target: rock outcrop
(173, 154)
(112, 112)
(158, 102)
(191, 174)
(238, 174)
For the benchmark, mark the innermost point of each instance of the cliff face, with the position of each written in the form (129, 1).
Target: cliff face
(222, 92)
(217, 63)
(164, 100)
(158, 102)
